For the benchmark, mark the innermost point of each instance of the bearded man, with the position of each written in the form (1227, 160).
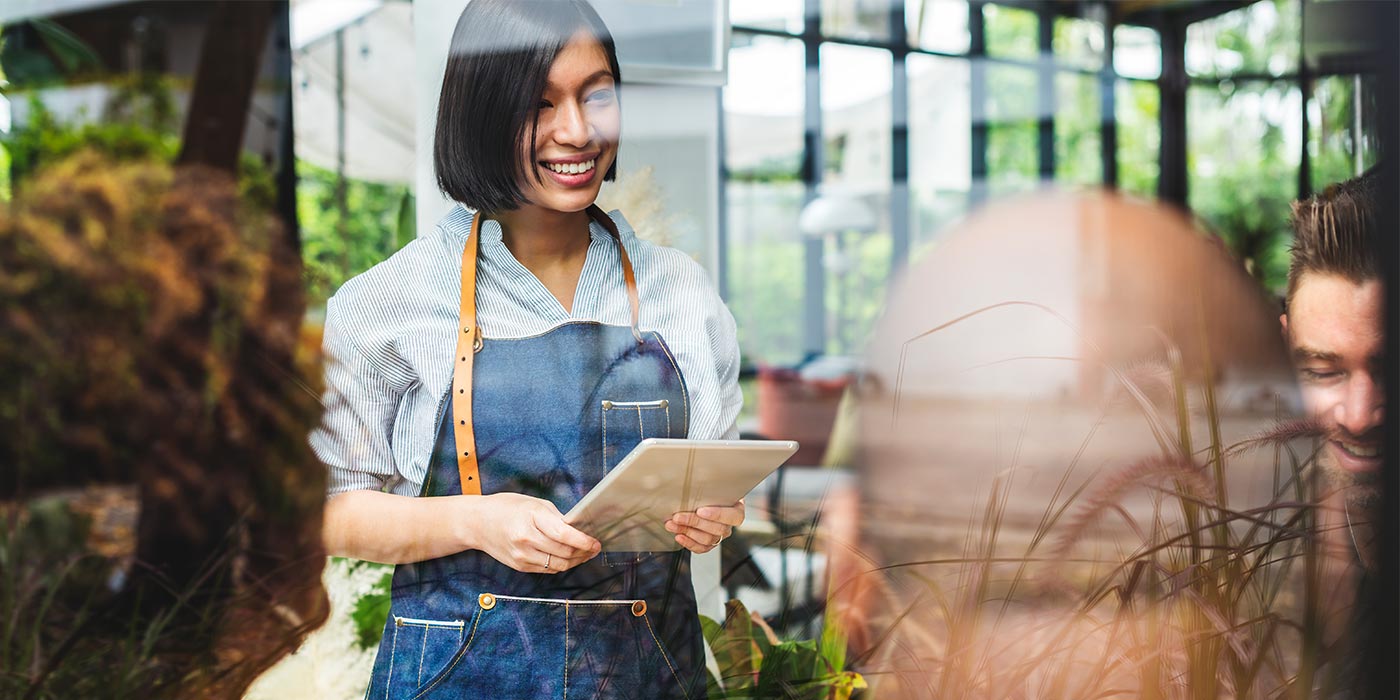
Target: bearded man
(1333, 320)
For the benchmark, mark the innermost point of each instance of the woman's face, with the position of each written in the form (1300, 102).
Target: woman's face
(576, 130)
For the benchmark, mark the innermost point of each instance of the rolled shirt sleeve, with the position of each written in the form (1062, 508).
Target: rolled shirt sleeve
(353, 438)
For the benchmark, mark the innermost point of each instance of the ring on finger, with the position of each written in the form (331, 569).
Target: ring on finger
(547, 559)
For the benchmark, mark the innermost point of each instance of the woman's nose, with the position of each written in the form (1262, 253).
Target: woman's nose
(571, 126)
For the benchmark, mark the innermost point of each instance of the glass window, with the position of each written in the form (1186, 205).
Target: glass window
(1262, 38)
(856, 19)
(937, 25)
(1011, 32)
(1342, 140)
(1138, 106)
(1078, 156)
(1079, 42)
(779, 15)
(1012, 133)
(856, 84)
(1242, 160)
(763, 104)
(1137, 52)
(940, 145)
(856, 122)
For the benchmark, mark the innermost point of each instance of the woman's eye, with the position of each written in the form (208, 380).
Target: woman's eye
(601, 97)
(544, 104)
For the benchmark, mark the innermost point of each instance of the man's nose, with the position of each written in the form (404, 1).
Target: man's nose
(1363, 407)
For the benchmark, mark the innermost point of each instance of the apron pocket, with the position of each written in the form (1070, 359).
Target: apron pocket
(626, 423)
(422, 649)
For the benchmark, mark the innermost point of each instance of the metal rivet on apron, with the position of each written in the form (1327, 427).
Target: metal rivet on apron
(639, 608)
(467, 329)
(607, 405)
(665, 403)
(486, 601)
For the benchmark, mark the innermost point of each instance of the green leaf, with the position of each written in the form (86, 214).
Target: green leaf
(371, 610)
(738, 647)
(793, 670)
(407, 226)
(72, 52)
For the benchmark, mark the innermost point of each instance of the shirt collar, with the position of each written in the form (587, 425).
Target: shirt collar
(458, 222)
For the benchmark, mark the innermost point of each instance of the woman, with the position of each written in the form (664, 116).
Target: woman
(561, 340)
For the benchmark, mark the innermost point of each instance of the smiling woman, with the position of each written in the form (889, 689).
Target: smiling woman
(471, 374)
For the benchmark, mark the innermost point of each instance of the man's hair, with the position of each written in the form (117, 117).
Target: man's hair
(497, 70)
(1335, 233)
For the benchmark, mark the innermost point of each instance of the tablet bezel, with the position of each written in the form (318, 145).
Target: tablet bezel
(747, 463)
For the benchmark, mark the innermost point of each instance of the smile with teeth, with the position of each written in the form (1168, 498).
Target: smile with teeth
(1360, 451)
(571, 168)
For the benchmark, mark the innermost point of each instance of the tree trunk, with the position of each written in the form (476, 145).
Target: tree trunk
(229, 64)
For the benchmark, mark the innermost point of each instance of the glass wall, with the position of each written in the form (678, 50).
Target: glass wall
(763, 125)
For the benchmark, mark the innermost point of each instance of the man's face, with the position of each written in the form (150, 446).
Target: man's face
(1335, 334)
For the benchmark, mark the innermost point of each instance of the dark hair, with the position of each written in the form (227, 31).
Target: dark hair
(1335, 233)
(496, 73)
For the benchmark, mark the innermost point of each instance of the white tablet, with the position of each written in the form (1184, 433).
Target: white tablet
(628, 509)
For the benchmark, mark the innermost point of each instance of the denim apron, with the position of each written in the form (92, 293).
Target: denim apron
(552, 414)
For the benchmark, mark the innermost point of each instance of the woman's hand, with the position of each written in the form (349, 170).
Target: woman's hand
(703, 530)
(529, 534)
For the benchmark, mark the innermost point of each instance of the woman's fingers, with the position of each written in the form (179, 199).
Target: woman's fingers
(544, 562)
(694, 534)
(690, 543)
(559, 550)
(551, 524)
(732, 516)
(714, 526)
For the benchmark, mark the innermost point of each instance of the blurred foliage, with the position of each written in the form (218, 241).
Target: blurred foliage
(59, 56)
(1078, 151)
(753, 663)
(1260, 38)
(1139, 106)
(1244, 172)
(1011, 32)
(372, 609)
(1013, 153)
(1078, 42)
(1335, 145)
(139, 123)
(152, 318)
(44, 138)
(378, 221)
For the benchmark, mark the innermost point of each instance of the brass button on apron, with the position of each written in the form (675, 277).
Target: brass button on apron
(639, 608)
(486, 601)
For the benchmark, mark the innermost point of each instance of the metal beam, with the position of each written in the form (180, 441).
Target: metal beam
(1172, 184)
(899, 146)
(814, 274)
(1045, 91)
(977, 96)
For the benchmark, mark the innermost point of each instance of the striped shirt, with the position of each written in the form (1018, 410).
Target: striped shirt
(390, 334)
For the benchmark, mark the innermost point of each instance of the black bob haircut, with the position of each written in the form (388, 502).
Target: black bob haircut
(496, 73)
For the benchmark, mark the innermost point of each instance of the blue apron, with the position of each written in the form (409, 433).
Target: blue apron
(552, 414)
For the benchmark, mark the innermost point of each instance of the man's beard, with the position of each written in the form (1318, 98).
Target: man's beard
(1362, 490)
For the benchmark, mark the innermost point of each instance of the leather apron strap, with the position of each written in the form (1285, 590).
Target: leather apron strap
(469, 342)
